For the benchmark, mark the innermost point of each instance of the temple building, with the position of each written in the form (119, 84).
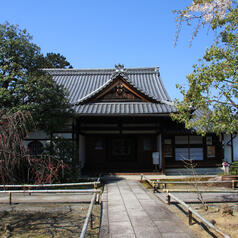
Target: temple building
(122, 116)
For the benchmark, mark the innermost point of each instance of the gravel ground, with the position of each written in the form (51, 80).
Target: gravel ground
(227, 223)
(216, 202)
(43, 220)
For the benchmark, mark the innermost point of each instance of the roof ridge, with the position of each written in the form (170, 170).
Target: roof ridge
(75, 69)
(155, 67)
(101, 70)
(131, 102)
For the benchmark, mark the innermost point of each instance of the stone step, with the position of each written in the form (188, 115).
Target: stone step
(197, 171)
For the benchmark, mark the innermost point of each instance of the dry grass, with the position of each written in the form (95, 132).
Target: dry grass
(227, 223)
(215, 214)
(47, 221)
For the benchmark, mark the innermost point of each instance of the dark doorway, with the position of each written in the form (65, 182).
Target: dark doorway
(122, 149)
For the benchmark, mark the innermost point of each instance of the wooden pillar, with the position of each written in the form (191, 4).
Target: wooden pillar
(75, 137)
(10, 198)
(190, 218)
(163, 158)
(168, 198)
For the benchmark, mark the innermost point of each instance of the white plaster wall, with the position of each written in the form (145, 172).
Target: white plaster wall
(159, 149)
(63, 135)
(235, 148)
(37, 135)
(227, 148)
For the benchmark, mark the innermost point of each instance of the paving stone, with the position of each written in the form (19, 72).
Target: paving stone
(149, 234)
(144, 224)
(115, 203)
(168, 226)
(176, 235)
(116, 208)
(114, 198)
(142, 196)
(134, 212)
(149, 203)
(104, 228)
(132, 205)
(137, 189)
(120, 228)
(118, 216)
(123, 236)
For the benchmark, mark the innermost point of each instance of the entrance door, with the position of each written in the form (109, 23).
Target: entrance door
(123, 149)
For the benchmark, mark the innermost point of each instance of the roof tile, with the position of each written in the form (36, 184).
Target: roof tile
(83, 83)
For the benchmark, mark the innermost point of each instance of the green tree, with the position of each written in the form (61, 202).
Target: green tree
(53, 60)
(24, 86)
(211, 101)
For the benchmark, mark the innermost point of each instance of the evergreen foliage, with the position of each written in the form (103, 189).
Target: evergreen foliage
(24, 86)
(213, 84)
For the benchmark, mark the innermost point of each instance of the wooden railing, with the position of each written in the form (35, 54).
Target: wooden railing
(89, 217)
(26, 189)
(155, 184)
(192, 212)
(28, 186)
(164, 183)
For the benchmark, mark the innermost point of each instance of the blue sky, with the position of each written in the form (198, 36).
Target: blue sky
(102, 33)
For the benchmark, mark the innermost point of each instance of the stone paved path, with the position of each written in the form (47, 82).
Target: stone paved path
(130, 211)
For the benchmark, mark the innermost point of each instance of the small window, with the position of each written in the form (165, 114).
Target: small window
(211, 151)
(181, 140)
(168, 150)
(99, 145)
(209, 140)
(181, 154)
(35, 147)
(167, 141)
(195, 140)
(196, 153)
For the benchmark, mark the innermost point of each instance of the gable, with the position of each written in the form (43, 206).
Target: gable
(120, 90)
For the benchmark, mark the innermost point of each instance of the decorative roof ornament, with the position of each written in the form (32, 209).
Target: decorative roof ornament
(119, 71)
(157, 70)
(119, 67)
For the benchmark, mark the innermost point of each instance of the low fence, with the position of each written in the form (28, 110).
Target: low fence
(156, 183)
(191, 212)
(96, 191)
(89, 217)
(153, 184)
(27, 188)
(164, 183)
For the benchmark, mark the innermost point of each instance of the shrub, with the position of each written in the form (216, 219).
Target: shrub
(234, 168)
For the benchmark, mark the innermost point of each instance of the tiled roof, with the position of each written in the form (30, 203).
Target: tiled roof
(85, 83)
(124, 108)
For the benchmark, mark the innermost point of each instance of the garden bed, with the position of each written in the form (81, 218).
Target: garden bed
(217, 203)
(226, 222)
(47, 220)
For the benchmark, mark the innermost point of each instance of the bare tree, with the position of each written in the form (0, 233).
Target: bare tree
(190, 165)
(16, 163)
